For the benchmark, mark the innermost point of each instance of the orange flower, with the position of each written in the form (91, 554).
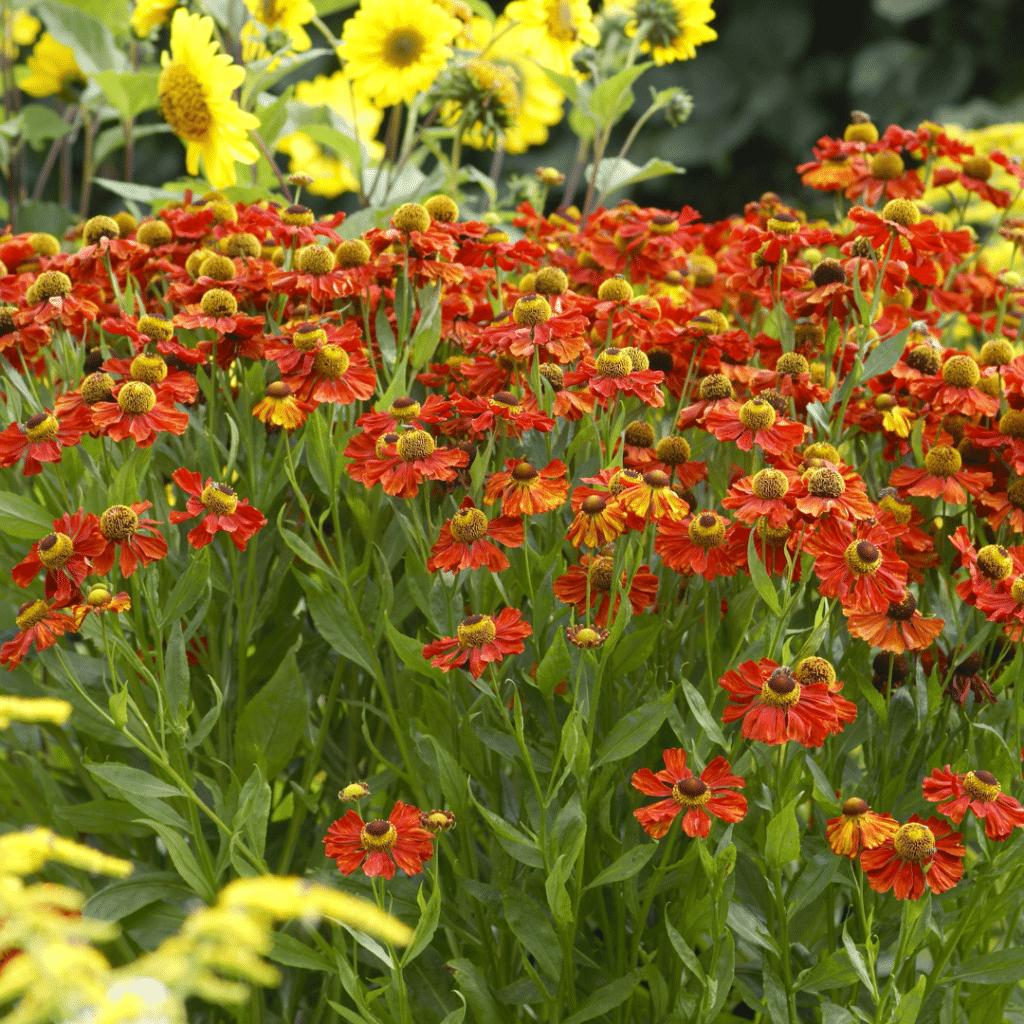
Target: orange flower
(481, 640)
(917, 853)
(901, 627)
(597, 522)
(280, 407)
(400, 840)
(525, 490)
(754, 422)
(464, 544)
(571, 588)
(41, 624)
(858, 828)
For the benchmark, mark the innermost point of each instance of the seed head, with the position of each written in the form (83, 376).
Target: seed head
(902, 212)
(531, 310)
(442, 208)
(99, 227)
(52, 284)
(217, 267)
(218, 302)
(411, 217)
(351, 254)
(615, 289)
(314, 260)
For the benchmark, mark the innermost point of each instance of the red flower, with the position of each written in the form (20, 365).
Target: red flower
(650, 500)
(978, 791)
(525, 490)
(858, 828)
(612, 376)
(42, 438)
(831, 489)
(571, 588)
(481, 640)
(705, 544)
(139, 542)
(858, 566)
(382, 844)
(331, 373)
(41, 624)
(140, 412)
(417, 458)
(220, 508)
(463, 542)
(754, 422)
(901, 627)
(918, 852)
(943, 477)
(597, 521)
(64, 555)
(697, 798)
(763, 494)
(775, 707)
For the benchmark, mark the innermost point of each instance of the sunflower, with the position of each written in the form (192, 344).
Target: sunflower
(195, 99)
(286, 16)
(53, 67)
(394, 49)
(149, 14)
(553, 30)
(671, 29)
(360, 120)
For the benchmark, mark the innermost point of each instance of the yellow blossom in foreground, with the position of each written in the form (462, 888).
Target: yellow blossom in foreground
(33, 709)
(195, 99)
(673, 29)
(553, 30)
(53, 69)
(148, 14)
(22, 853)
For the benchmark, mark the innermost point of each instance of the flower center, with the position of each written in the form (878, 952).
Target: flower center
(673, 451)
(706, 530)
(593, 505)
(943, 461)
(278, 391)
(331, 362)
(639, 434)
(769, 484)
(1011, 424)
(994, 562)
(902, 611)
(815, 670)
(353, 253)
(315, 259)
(30, 614)
(982, 785)
(378, 835)
(969, 666)
(403, 46)
(656, 479)
(825, 482)
(218, 302)
(219, 499)
(691, 792)
(901, 211)
(119, 523)
(476, 631)
(404, 409)
(863, 558)
(55, 549)
(523, 473)
(416, 444)
(136, 398)
(469, 525)
(925, 359)
(1017, 590)
(915, 842)
(183, 103)
(901, 513)
(99, 596)
(780, 689)
(307, 337)
(600, 573)
(53, 283)
(148, 369)
(531, 310)
(757, 414)
(886, 165)
(97, 387)
(792, 364)
(614, 363)
(41, 427)
(506, 401)
(961, 372)
(854, 807)
(715, 387)
(156, 327)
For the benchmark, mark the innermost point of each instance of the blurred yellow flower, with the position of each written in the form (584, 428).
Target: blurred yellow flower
(195, 99)
(33, 709)
(333, 175)
(148, 14)
(671, 29)
(394, 49)
(20, 29)
(551, 31)
(287, 16)
(53, 69)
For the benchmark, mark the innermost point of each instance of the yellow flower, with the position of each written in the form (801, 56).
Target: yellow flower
(394, 49)
(672, 29)
(195, 99)
(148, 14)
(287, 16)
(24, 853)
(897, 421)
(20, 29)
(333, 175)
(53, 69)
(553, 30)
(33, 709)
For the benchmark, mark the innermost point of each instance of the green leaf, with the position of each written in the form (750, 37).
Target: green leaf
(40, 125)
(133, 781)
(831, 972)
(177, 688)
(290, 952)
(917, 915)
(183, 859)
(102, 817)
(636, 651)
(123, 897)
(614, 173)
(629, 864)
(89, 39)
(633, 730)
(554, 666)
(272, 722)
(129, 93)
(189, 587)
(884, 356)
(759, 575)
(606, 998)
(613, 97)
(410, 651)
(700, 711)
(23, 519)
(816, 878)
(253, 811)
(319, 454)
(531, 927)
(335, 625)
(909, 1005)
(136, 193)
(782, 839)
(430, 914)
(1003, 967)
(515, 843)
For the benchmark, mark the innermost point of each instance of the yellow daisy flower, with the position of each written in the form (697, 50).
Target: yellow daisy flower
(287, 16)
(149, 14)
(20, 29)
(673, 29)
(53, 69)
(553, 30)
(394, 49)
(195, 99)
(332, 175)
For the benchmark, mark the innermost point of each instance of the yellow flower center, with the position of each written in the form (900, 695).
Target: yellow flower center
(943, 461)
(476, 631)
(586, 637)
(507, 401)
(55, 549)
(404, 409)
(551, 281)
(136, 398)
(1017, 590)
(637, 358)
(531, 310)
(715, 387)
(331, 361)
(156, 327)
(780, 689)
(615, 289)
(416, 444)
(148, 369)
(673, 451)
(886, 165)
(914, 842)
(219, 499)
(183, 103)
(815, 670)
(639, 435)
(353, 253)
(614, 363)
(98, 597)
(961, 372)
(901, 211)
(315, 259)
(30, 614)
(757, 414)
(901, 513)
(52, 283)
(468, 525)
(691, 792)
(769, 484)
(863, 558)
(378, 835)
(218, 302)
(600, 573)
(524, 473)
(41, 427)
(995, 562)
(792, 364)
(979, 167)
(119, 522)
(402, 47)
(982, 785)
(706, 530)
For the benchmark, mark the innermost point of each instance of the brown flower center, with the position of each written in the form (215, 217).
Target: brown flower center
(715, 387)
(781, 689)
(825, 482)
(769, 484)
(982, 785)
(854, 807)
(523, 473)
(476, 631)
(41, 427)
(691, 792)
(31, 613)
(863, 558)
(55, 549)
(902, 611)
(378, 835)
(673, 451)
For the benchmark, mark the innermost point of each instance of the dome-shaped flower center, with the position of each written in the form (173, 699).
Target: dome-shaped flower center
(217, 267)
(625, 478)
(593, 505)
(384, 442)
(978, 166)
(914, 842)
(664, 224)
(924, 358)
(1017, 590)
(156, 327)
(886, 165)
(600, 573)
(615, 289)
(1011, 423)
(468, 525)
(183, 103)
(378, 835)
(308, 336)
(656, 479)
(416, 444)
(863, 558)
(638, 360)
(136, 398)
(219, 499)
(614, 363)
(30, 614)
(994, 562)
(55, 549)
(118, 523)
(757, 414)
(815, 670)
(99, 597)
(402, 47)
(476, 631)
(639, 434)
(587, 637)
(315, 260)
(148, 369)
(531, 310)
(901, 211)
(524, 472)
(353, 253)
(673, 451)
(297, 215)
(792, 364)
(278, 391)
(902, 611)
(551, 281)
(507, 402)
(404, 409)
(943, 461)
(961, 372)
(553, 374)
(218, 302)
(901, 513)
(825, 482)
(706, 530)
(828, 271)
(769, 484)
(691, 792)
(969, 666)
(780, 689)
(97, 387)
(854, 807)
(41, 427)
(714, 387)
(411, 216)
(331, 362)
(52, 284)
(982, 785)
